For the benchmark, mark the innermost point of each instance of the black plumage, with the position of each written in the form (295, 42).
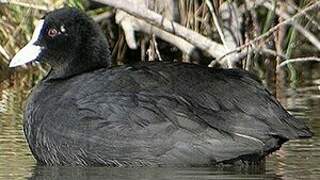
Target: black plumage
(87, 113)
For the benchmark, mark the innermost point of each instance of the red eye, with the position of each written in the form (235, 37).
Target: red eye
(52, 32)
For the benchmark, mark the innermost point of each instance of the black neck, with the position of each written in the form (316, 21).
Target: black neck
(83, 62)
(92, 54)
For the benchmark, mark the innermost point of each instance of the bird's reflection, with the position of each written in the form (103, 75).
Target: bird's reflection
(154, 173)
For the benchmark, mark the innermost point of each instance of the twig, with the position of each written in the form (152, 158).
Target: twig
(252, 49)
(231, 21)
(102, 16)
(29, 5)
(213, 48)
(216, 23)
(271, 30)
(312, 38)
(311, 19)
(304, 59)
(137, 24)
(270, 52)
(156, 46)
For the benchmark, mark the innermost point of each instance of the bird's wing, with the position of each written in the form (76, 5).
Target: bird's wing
(243, 106)
(164, 126)
(214, 115)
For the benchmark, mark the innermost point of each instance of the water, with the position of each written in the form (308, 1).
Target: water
(299, 159)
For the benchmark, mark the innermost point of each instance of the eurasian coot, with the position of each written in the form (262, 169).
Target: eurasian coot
(85, 112)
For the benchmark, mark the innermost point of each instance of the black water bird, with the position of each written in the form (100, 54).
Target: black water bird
(85, 112)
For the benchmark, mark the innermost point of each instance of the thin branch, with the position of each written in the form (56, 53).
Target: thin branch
(102, 16)
(271, 30)
(270, 52)
(312, 38)
(304, 59)
(28, 5)
(231, 21)
(243, 54)
(311, 19)
(216, 23)
(130, 24)
(156, 47)
(213, 48)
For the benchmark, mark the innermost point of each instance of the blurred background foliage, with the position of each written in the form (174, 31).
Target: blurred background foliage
(18, 18)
